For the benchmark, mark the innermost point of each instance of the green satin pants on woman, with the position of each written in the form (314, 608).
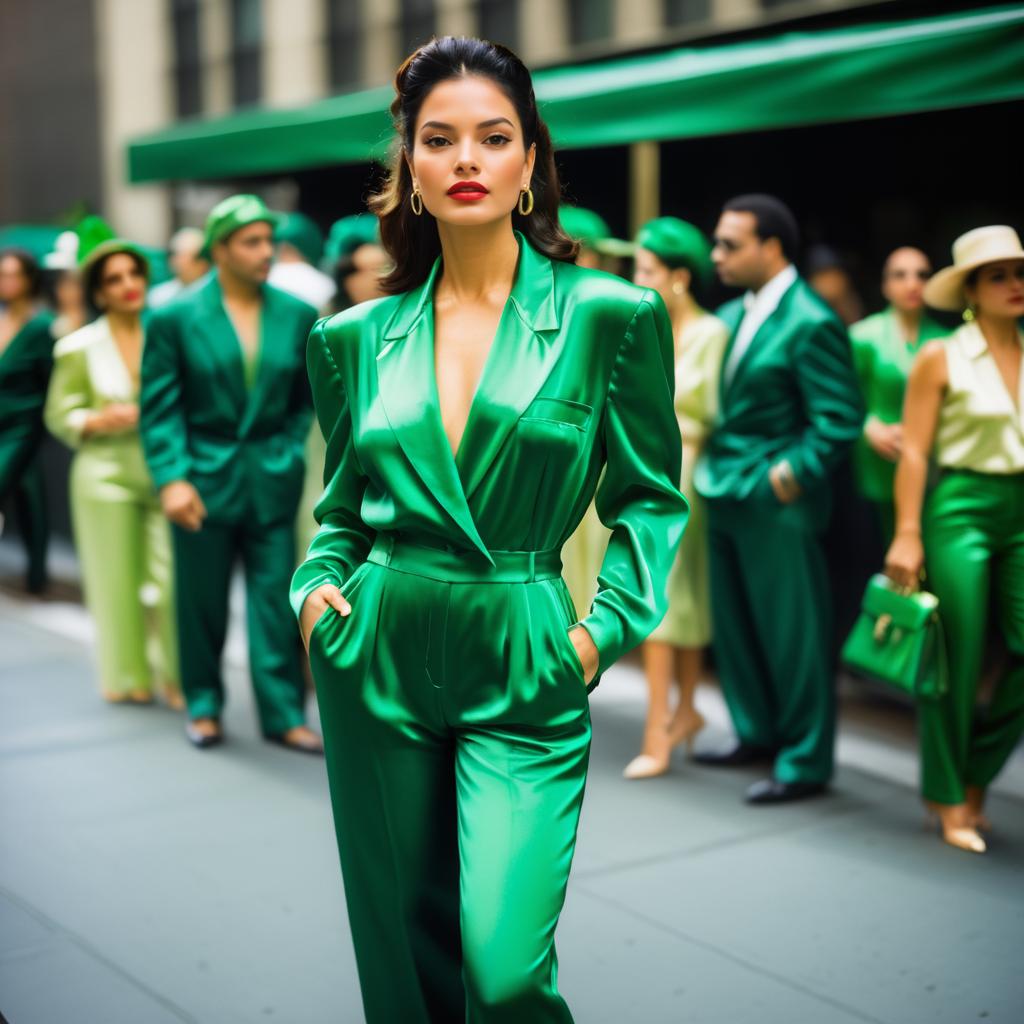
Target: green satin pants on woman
(457, 727)
(973, 530)
(124, 548)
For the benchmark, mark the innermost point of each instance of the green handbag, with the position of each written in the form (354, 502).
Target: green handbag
(898, 639)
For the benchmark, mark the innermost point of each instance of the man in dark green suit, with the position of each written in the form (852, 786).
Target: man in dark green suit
(790, 408)
(225, 409)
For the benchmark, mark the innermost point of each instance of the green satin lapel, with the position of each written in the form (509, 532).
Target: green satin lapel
(777, 316)
(275, 330)
(224, 350)
(408, 391)
(522, 357)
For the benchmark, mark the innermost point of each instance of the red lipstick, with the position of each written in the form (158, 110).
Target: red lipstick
(467, 191)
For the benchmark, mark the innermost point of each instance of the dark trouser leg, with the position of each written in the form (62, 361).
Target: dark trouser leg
(34, 524)
(202, 567)
(275, 646)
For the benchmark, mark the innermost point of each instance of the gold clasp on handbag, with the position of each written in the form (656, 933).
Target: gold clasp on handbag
(882, 624)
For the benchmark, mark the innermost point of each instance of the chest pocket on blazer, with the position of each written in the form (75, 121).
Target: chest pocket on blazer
(557, 410)
(550, 439)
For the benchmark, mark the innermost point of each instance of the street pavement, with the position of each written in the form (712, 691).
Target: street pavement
(144, 882)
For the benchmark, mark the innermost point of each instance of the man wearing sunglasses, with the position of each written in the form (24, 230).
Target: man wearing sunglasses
(884, 346)
(790, 408)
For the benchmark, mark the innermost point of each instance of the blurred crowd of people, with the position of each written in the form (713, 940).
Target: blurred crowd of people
(819, 446)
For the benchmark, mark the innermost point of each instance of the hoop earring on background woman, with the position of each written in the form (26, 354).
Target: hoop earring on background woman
(677, 287)
(526, 194)
(416, 201)
(968, 314)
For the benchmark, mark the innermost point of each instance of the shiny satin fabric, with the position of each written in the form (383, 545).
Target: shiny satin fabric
(973, 533)
(455, 714)
(121, 536)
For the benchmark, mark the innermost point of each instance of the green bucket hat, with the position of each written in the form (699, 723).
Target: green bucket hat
(301, 232)
(233, 213)
(346, 235)
(677, 243)
(591, 230)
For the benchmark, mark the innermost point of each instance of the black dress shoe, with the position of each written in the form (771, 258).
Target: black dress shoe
(202, 740)
(740, 755)
(771, 791)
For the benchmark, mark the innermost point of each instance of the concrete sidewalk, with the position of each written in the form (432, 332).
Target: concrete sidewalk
(144, 882)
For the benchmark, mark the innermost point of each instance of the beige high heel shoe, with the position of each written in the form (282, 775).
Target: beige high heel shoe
(647, 766)
(951, 826)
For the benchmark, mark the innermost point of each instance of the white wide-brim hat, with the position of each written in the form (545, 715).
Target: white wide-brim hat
(945, 289)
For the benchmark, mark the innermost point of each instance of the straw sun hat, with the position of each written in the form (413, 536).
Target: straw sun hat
(945, 289)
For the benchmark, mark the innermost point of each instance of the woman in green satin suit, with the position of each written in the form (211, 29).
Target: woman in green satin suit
(965, 408)
(673, 257)
(451, 672)
(26, 358)
(121, 535)
(884, 346)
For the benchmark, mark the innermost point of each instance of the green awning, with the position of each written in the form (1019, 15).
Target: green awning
(798, 78)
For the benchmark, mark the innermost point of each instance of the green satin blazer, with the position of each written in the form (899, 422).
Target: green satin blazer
(579, 378)
(882, 360)
(241, 448)
(25, 366)
(793, 396)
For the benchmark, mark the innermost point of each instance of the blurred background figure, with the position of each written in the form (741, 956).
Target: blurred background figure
(965, 410)
(791, 409)
(225, 409)
(356, 261)
(298, 248)
(187, 263)
(26, 358)
(674, 258)
(884, 346)
(121, 535)
(583, 552)
(63, 285)
(829, 276)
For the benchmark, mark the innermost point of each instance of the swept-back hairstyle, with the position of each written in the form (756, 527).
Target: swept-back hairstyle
(29, 267)
(412, 241)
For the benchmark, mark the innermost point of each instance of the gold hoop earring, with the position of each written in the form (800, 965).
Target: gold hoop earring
(416, 201)
(677, 287)
(968, 315)
(528, 193)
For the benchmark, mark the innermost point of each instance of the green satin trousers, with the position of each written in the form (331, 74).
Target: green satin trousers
(772, 611)
(203, 562)
(457, 730)
(973, 531)
(124, 549)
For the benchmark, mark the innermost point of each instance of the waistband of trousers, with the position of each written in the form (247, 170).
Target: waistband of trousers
(450, 564)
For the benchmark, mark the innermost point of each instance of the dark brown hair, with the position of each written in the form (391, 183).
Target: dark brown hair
(412, 242)
(29, 267)
(93, 276)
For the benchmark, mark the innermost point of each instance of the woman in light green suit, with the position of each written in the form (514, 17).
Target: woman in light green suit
(965, 408)
(468, 416)
(672, 257)
(121, 535)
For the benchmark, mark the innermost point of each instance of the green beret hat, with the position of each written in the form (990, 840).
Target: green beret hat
(347, 234)
(233, 213)
(677, 244)
(299, 230)
(590, 229)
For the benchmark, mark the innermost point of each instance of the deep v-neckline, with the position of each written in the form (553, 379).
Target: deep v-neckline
(1015, 395)
(478, 389)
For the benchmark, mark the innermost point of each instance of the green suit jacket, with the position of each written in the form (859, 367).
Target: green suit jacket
(580, 377)
(241, 448)
(25, 366)
(882, 360)
(793, 397)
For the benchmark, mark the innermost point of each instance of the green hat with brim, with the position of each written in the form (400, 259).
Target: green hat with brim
(233, 213)
(298, 230)
(348, 234)
(677, 243)
(590, 229)
(97, 241)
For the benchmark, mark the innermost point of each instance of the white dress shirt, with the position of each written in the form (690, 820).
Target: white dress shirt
(759, 306)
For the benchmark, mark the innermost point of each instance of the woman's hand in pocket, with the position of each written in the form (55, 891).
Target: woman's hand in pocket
(586, 651)
(316, 605)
